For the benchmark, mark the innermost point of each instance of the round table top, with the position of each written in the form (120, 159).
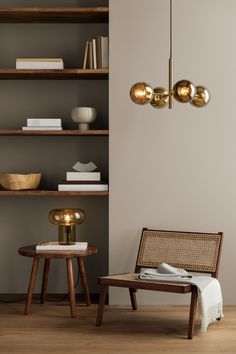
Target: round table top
(30, 251)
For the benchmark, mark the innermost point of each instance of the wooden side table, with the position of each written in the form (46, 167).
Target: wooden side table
(30, 251)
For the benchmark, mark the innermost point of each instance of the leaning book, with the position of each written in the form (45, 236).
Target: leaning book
(55, 246)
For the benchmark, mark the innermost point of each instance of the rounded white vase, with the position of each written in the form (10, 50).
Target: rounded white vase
(83, 116)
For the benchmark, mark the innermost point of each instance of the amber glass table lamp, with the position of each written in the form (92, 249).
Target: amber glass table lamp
(66, 219)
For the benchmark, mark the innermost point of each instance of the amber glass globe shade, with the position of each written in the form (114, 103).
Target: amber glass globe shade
(184, 91)
(160, 98)
(66, 217)
(202, 97)
(141, 93)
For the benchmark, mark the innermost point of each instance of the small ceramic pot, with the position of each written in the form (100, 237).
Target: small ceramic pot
(83, 116)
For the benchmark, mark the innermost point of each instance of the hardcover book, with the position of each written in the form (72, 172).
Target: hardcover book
(41, 128)
(55, 246)
(39, 63)
(83, 176)
(82, 187)
(45, 122)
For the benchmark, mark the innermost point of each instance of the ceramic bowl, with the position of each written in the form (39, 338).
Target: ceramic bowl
(83, 116)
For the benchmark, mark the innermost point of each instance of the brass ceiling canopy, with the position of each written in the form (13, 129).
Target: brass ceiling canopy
(183, 91)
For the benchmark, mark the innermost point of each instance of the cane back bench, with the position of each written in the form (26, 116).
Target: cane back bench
(193, 251)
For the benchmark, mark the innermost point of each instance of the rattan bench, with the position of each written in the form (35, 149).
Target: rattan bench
(193, 251)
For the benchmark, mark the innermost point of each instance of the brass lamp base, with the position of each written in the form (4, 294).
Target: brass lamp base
(67, 234)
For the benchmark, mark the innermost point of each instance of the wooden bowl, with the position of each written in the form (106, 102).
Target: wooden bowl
(15, 181)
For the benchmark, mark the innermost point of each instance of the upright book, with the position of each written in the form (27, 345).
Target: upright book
(105, 52)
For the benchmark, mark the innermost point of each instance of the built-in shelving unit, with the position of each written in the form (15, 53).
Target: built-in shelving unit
(54, 132)
(25, 151)
(54, 15)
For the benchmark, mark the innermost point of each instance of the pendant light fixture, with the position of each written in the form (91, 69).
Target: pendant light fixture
(183, 91)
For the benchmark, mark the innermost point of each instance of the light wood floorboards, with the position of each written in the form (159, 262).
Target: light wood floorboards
(152, 329)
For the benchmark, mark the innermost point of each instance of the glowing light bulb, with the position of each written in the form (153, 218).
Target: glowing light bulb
(141, 93)
(67, 219)
(184, 91)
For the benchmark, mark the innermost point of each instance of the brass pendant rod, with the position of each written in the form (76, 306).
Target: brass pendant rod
(170, 61)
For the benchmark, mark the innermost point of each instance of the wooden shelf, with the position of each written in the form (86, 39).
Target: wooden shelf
(54, 132)
(66, 74)
(54, 14)
(46, 193)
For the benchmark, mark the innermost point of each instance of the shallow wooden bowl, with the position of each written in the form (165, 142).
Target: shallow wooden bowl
(15, 181)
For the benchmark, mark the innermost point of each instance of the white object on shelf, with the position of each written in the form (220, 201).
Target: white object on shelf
(82, 187)
(41, 128)
(84, 167)
(83, 176)
(45, 122)
(39, 63)
(55, 246)
(83, 116)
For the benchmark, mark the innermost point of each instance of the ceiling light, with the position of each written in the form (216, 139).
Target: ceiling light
(183, 91)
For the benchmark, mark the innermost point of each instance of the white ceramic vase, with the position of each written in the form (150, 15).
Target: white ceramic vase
(83, 116)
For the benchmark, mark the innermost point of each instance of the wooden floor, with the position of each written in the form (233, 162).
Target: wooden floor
(151, 329)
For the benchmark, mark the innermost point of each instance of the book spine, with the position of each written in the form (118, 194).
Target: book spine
(43, 122)
(86, 55)
(82, 187)
(83, 176)
(41, 128)
(39, 65)
(105, 52)
(90, 55)
(98, 52)
(94, 54)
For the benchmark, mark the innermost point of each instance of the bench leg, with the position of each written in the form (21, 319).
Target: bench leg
(84, 282)
(31, 285)
(100, 310)
(45, 280)
(192, 313)
(132, 293)
(70, 277)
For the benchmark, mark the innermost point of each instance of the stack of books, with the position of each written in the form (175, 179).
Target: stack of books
(83, 182)
(43, 124)
(55, 246)
(40, 63)
(96, 53)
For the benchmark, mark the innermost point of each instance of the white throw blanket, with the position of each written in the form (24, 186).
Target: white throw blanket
(209, 291)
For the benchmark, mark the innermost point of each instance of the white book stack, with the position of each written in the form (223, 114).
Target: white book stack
(43, 124)
(83, 182)
(96, 53)
(39, 63)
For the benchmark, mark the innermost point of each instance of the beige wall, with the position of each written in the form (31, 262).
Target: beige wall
(172, 169)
